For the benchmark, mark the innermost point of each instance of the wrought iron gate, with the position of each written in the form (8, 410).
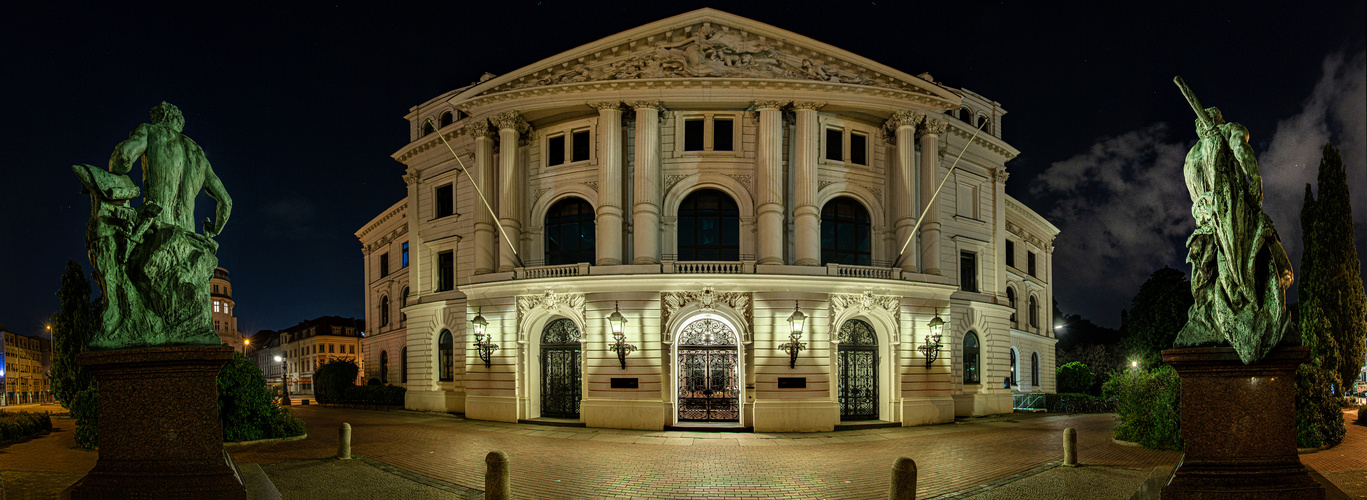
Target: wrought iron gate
(858, 359)
(560, 377)
(709, 386)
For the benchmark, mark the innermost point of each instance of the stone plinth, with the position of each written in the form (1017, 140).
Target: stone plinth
(1239, 426)
(160, 435)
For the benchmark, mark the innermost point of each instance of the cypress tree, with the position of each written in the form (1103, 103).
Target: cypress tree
(1340, 291)
(72, 328)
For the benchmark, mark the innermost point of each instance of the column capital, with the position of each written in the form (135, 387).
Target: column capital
(412, 177)
(808, 105)
(480, 128)
(647, 104)
(767, 105)
(1000, 175)
(899, 119)
(602, 105)
(511, 120)
(931, 126)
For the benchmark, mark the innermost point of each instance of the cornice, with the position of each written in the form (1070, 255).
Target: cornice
(402, 156)
(987, 141)
(400, 208)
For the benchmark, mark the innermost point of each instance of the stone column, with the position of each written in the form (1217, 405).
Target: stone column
(902, 127)
(806, 215)
(769, 167)
(930, 131)
(417, 280)
(486, 237)
(511, 184)
(608, 224)
(645, 213)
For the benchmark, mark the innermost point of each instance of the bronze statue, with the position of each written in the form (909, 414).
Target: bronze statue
(1239, 270)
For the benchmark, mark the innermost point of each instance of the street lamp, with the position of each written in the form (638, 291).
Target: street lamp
(284, 382)
(618, 322)
(794, 344)
(931, 349)
(482, 341)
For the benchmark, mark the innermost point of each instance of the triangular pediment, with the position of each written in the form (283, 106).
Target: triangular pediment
(707, 43)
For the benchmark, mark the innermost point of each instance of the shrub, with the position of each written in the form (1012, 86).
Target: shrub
(85, 408)
(19, 425)
(1075, 377)
(332, 378)
(284, 423)
(1362, 416)
(1319, 419)
(1148, 408)
(244, 402)
(374, 381)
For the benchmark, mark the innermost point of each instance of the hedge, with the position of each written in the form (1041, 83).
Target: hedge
(19, 425)
(1148, 408)
(331, 380)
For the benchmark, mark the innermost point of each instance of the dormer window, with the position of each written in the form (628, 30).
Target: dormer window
(446, 119)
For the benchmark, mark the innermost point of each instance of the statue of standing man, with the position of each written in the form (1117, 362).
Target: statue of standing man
(152, 267)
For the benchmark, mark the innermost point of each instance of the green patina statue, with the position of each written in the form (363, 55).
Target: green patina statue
(153, 268)
(1239, 270)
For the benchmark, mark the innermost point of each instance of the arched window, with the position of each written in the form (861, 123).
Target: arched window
(384, 367)
(403, 302)
(1034, 313)
(1014, 371)
(384, 310)
(845, 232)
(1011, 301)
(965, 115)
(446, 356)
(403, 365)
(971, 367)
(1034, 369)
(709, 227)
(981, 120)
(569, 232)
(427, 129)
(446, 119)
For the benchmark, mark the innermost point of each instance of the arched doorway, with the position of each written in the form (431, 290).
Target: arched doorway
(560, 376)
(858, 369)
(709, 375)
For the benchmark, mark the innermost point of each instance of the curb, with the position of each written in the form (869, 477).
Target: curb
(267, 441)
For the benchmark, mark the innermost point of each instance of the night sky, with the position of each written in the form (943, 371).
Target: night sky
(299, 106)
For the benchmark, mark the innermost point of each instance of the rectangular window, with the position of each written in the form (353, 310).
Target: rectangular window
(446, 271)
(859, 149)
(1030, 263)
(216, 307)
(693, 135)
(580, 149)
(835, 144)
(446, 201)
(968, 271)
(555, 150)
(405, 254)
(352, 349)
(722, 138)
(384, 264)
(331, 348)
(1010, 253)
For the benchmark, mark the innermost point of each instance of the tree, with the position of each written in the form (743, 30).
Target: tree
(1156, 314)
(1335, 323)
(72, 328)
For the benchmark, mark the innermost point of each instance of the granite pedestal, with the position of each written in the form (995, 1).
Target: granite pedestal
(160, 435)
(1239, 426)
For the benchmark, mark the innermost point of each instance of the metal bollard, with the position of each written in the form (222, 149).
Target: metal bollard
(344, 442)
(903, 485)
(496, 484)
(1070, 447)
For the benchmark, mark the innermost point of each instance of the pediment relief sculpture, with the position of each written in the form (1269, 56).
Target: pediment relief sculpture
(864, 302)
(709, 299)
(548, 300)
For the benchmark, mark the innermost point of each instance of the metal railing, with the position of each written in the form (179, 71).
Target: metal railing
(1029, 401)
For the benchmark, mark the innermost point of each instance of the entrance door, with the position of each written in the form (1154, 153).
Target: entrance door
(560, 377)
(858, 357)
(709, 385)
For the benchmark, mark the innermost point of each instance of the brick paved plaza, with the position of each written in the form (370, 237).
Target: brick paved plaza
(558, 462)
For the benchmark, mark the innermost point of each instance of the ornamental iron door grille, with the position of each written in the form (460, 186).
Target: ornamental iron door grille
(709, 388)
(858, 356)
(560, 377)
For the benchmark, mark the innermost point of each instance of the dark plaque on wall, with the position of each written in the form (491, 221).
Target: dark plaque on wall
(625, 383)
(792, 382)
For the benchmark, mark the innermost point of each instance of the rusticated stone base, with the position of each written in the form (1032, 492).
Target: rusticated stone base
(160, 435)
(1239, 427)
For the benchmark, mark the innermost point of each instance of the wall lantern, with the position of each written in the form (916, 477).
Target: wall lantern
(794, 344)
(482, 341)
(618, 322)
(931, 349)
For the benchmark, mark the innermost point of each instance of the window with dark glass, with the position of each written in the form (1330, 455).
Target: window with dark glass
(1034, 312)
(446, 119)
(384, 264)
(403, 302)
(384, 310)
(709, 227)
(403, 365)
(1010, 253)
(446, 271)
(384, 367)
(1030, 263)
(569, 232)
(965, 115)
(427, 129)
(845, 233)
(555, 150)
(1014, 380)
(579, 150)
(859, 149)
(1011, 301)
(982, 120)
(693, 135)
(446, 353)
(446, 201)
(1034, 369)
(722, 138)
(835, 144)
(968, 271)
(405, 255)
(971, 375)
